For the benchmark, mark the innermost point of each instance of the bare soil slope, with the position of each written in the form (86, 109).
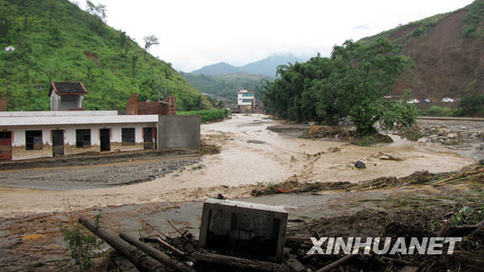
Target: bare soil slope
(448, 63)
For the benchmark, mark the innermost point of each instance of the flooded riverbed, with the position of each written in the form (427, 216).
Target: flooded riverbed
(250, 154)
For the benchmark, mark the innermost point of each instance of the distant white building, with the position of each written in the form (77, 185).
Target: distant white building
(245, 101)
(10, 48)
(245, 98)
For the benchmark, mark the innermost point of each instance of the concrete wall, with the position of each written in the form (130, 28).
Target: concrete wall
(54, 101)
(178, 132)
(243, 229)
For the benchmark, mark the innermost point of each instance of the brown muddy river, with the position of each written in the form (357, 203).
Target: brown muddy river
(250, 154)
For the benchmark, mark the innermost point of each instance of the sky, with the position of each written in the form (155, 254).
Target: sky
(195, 33)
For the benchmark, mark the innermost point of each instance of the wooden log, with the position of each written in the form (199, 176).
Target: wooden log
(156, 254)
(174, 249)
(239, 262)
(143, 262)
(336, 263)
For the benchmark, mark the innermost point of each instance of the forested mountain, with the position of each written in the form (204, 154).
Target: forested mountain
(225, 86)
(55, 40)
(266, 67)
(447, 51)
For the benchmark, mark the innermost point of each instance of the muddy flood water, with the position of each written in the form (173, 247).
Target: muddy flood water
(250, 154)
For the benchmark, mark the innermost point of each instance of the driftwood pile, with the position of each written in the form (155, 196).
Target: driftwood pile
(175, 254)
(162, 253)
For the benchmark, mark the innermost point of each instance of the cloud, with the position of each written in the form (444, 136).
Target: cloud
(361, 27)
(195, 33)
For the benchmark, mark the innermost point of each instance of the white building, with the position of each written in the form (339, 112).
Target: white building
(245, 98)
(25, 135)
(67, 96)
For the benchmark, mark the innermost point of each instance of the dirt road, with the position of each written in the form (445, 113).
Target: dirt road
(250, 154)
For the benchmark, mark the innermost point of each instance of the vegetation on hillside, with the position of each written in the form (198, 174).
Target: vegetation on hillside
(474, 20)
(211, 115)
(225, 86)
(55, 40)
(351, 83)
(414, 29)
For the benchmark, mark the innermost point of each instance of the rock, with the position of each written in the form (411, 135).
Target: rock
(443, 131)
(334, 149)
(452, 136)
(434, 138)
(360, 165)
(423, 140)
(255, 142)
(481, 162)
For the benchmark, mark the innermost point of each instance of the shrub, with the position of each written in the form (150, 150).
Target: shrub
(472, 105)
(212, 115)
(82, 245)
(439, 111)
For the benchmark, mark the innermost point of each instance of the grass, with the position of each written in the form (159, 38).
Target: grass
(212, 115)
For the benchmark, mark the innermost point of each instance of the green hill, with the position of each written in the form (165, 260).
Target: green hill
(225, 86)
(55, 40)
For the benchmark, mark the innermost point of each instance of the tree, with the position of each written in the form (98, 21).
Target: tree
(150, 41)
(97, 10)
(351, 83)
(6, 22)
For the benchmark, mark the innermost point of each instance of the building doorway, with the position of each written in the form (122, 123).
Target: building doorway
(148, 135)
(105, 137)
(57, 143)
(5, 145)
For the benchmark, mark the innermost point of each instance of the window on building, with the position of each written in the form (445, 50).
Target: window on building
(127, 136)
(247, 100)
(248, 94)
(33, 139)
(83, 137)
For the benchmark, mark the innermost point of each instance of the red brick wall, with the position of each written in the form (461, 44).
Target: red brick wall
(134, 107)
(152, 108)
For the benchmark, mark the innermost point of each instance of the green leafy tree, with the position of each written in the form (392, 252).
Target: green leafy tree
(351, 83)
(472, 105)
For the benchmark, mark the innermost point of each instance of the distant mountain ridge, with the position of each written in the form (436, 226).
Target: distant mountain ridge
(266, 67)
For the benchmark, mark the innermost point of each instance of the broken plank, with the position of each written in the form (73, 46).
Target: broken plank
(239, 262)
(174, 249)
